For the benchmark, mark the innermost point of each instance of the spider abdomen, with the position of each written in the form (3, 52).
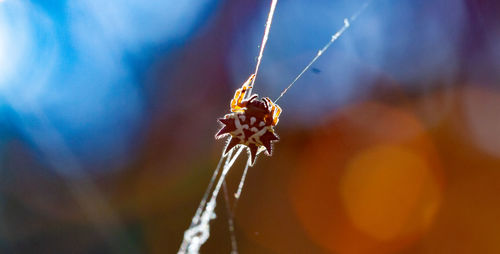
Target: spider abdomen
(252, 121)
(248, 129)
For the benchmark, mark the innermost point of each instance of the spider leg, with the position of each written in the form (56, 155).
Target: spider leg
(253, 97)
(238, 102)
(276, 115)
(275, 110)
(265, 99)
(269, 107)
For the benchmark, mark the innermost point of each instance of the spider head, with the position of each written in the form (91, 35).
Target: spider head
(257, 108)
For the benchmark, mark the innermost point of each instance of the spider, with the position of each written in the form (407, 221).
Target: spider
(251, 121)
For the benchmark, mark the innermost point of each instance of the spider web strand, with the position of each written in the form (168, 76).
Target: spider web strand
(263, 43)
(230, 220)
(347, 24)
(199, 210)
(197, 234)
(237, 195)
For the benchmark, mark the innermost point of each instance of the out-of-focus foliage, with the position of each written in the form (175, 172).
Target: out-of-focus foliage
(389, 145)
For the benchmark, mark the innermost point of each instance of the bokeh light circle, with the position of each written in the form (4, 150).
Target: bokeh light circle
(382, 189)
(369, 182)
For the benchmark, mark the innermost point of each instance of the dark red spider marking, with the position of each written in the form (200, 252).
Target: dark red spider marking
(253, 127)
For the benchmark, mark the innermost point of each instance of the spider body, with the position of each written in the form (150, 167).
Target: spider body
(251, 121)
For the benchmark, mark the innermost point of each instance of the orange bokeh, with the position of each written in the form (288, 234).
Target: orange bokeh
(369, 181)
(388, 191)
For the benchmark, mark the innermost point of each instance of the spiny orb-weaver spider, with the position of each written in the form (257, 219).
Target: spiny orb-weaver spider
(252, 121)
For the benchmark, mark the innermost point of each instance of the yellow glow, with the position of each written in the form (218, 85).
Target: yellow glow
(389, 191)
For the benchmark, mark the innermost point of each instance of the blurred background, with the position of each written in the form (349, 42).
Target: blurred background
(389, 144)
